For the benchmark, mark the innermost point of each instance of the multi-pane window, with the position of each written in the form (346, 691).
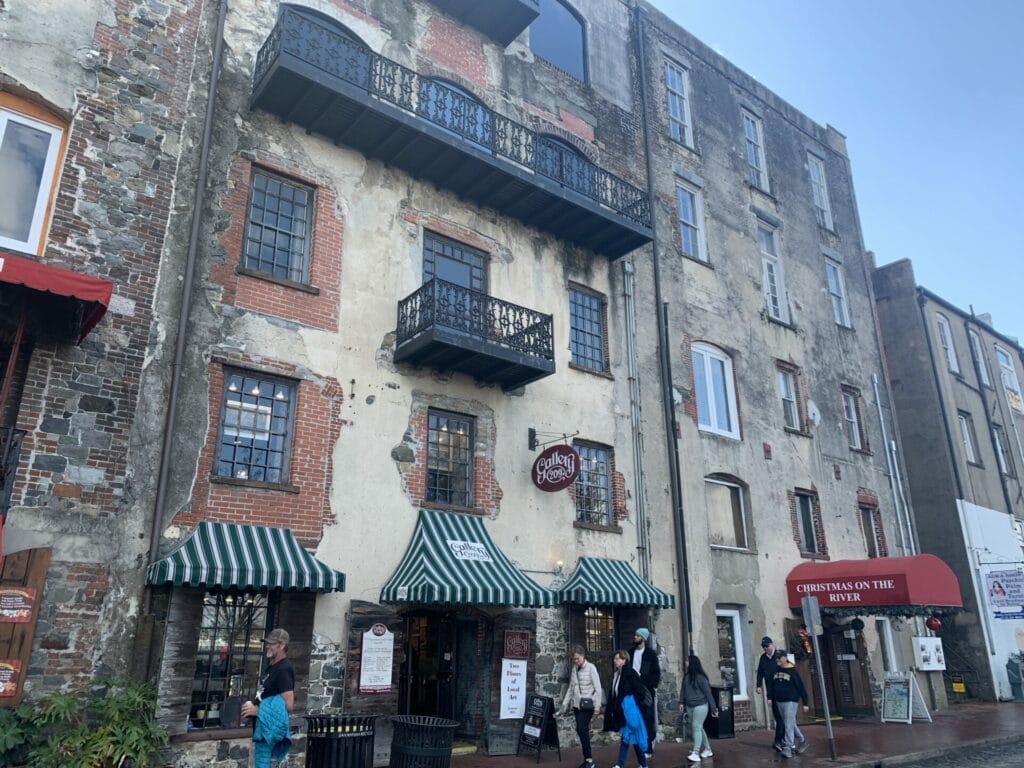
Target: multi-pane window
(979, 354)
(787, 391)
(587, 330)
(753, 132)
(1011, 386)
(599, 629)
(690, 214)
(946, 340)
(278, 227)
(967, 438)
(731, 653)
(557, 36)
(726, 512)
(593, 484)
(255, 435)
(773, 279)
(806, 522)
(837, 292)
(819, 191)
(449, 459)
(228, 657)
(1003, 454)
(677, 97)
(852, 419)
(715, 391)
(29, 150)
(872, 539)
(454, 262)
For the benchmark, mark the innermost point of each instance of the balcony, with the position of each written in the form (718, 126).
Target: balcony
(313, 73)
(501, 20)
(451, 328)
(10, 454)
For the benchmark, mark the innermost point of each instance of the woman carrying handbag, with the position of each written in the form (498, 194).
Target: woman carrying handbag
(585, 697)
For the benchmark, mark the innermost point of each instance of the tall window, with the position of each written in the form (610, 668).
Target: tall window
(852, 418)
(557, 36)
(872, 537)
(726, 511)
(1003, 454)
(1011, 386)
(454, 262)
(587, 339)
(837, 292)
(819, 191)
(449, 458)
(691, 215)
(677, 90)
(715, 391)
(595, 626)
(278, 227)
(757, 169)
(946, 340)
(807, 522)
(773, 278)
(255, 434)
(979, 354)
(731, 650)
(593, 484)
(787, 391)
(29, 151)
(967, 438)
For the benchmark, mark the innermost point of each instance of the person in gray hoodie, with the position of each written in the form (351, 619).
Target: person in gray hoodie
(695, 699)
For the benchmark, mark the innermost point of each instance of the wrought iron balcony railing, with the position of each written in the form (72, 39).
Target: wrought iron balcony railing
(10, 454)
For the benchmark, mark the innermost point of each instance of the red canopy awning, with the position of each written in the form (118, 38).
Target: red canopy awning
(921, 580)
(92, 293)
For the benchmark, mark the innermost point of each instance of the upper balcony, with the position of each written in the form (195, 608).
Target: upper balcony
(451, 328)
(314, 73)
(501, 20)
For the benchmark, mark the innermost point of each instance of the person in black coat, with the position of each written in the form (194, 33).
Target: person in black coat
(645, 661)
(766, 668)
(625, 682)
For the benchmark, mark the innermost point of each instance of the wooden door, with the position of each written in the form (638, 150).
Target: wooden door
(848, 663)
(21, 584)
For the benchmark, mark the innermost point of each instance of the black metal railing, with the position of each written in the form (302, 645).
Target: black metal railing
(479, 316)
(327, 48)
(10, 454)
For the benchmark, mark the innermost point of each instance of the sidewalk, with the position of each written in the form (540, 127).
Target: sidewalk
(859, 743)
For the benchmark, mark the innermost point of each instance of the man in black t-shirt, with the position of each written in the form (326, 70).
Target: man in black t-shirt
(278, 677)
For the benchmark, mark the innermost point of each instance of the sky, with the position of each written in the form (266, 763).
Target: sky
(930, 97)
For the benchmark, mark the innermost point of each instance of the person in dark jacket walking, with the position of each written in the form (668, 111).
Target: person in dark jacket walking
(787, 689)
(695, 698)
(628, 696)
(765, 671)
(644, 661)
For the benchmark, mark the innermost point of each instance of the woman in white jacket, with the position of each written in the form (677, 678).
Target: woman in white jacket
(584, 685)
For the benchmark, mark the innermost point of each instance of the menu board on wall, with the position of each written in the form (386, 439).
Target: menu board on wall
(376, 660)
(10, 670)
(16, 604)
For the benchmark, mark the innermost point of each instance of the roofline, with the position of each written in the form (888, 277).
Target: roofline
(931, 296)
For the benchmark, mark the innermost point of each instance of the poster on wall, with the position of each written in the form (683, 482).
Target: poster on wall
(10, 669)
(16, 604)
(513, 689)
(1005, 591)
(517, 644)
(376, 660)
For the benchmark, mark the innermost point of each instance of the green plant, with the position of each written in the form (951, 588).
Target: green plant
(110, 726)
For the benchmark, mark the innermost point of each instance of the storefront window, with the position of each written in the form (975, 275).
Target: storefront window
(730, 651)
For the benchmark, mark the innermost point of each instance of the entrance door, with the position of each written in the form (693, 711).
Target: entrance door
(429, 681)
(848, 664)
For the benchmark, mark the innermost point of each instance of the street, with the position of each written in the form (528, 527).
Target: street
(1006, 754)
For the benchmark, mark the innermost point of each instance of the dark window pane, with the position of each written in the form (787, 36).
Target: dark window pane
(593, 485)
(556, 35)
(275, 240)
(586, 330)
(255, 427)
(450, 459)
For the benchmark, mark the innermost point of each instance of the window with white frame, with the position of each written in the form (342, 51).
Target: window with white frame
(732, 650)
(787, 391)
(1011, 385)
(946, 340)
(837, 292)
(715, 391)
(773, 277)
(819, 191)
(1003, 455)
(967, 436)
(677, 99)
(852, 419)
(979, 354)
(689, 209)
(725, 505)
(753, 132)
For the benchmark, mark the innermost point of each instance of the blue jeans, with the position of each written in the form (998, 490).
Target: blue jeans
(624, 753)
(697, 717)
(788, 709)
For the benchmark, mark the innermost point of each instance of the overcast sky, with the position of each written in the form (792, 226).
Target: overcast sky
(930, 95)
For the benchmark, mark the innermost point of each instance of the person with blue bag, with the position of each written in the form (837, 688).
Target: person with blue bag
(628, 702)
(275, 697)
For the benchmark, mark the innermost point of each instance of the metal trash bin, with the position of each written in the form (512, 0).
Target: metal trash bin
(421, 742)
(339, 741)
(723, 726)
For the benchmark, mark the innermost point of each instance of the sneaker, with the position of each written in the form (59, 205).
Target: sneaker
(707, 753)
(802, 746)
(786, 752)
(648, 755)
(693, 757)
(777, 747)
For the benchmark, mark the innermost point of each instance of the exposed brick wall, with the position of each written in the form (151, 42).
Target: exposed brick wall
(819, 526)
(458, 49)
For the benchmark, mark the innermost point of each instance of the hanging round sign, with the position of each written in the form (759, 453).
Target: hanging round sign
(556, 468)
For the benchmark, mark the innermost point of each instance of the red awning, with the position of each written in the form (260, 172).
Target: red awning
(921, 580)
(91, 292)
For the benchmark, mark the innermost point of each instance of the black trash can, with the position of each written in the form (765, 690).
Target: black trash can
(421, 742)
(723, 726)
(339, 741)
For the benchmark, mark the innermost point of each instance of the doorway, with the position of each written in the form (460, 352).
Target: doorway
(849, 684)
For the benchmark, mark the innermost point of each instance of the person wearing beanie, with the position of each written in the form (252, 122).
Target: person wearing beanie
(787, 689)
(765, 671)
(645, 661)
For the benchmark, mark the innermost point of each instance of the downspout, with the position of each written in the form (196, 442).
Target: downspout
(664, 357)
(896, 495)
(186, 301)
(639, 481)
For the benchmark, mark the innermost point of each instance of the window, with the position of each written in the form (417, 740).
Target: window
(787, 391)
(228, 655)
(715, 391)
(593, 485)
(1003, 455)
(726, 511)
(29, 150)
(278, 227)
(731, 650)
(807, 521)
(979, 354)
(677, 97)
(773, 279)
(449, 459)
(255, 434)
(852, 419)
(587, 341)
(819, 191)
(837, 292)
(757, 170)
(689, 208)
(869, 524)
(599, 630)
(1011, 386)
(454, 262)
(946, 339)
(967, 438)
(557, 36)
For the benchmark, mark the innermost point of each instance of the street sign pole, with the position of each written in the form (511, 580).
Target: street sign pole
(812, 620)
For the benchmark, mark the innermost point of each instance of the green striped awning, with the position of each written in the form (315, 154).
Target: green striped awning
(244, 557)
(451, 559)
(597, 581)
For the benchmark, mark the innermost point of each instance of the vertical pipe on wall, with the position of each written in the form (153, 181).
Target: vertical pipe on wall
(639, 482)
(897, 496)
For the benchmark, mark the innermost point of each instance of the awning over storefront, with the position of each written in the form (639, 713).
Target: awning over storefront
(91, 293)
(921, 581)
(227, 555)
(451, 559)
(597, 581)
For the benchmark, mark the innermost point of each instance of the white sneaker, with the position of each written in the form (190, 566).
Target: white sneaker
(693, 757)
(707, 753)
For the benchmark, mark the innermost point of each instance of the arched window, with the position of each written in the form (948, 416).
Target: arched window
(557, 36)
(457, 111)
(561, 161)
(725, 500)
(715, 391)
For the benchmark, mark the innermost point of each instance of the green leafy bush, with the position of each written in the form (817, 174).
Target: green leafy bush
(110, 726)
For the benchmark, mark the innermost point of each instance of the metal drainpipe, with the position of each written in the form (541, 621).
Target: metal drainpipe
(639, 482)
(186, 300)
(896, 496)
(664, 355)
